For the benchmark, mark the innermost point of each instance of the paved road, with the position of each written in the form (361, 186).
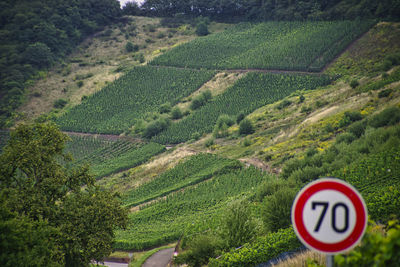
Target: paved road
(115, 264)
(160, 258)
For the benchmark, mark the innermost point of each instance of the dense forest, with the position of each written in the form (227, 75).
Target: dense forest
(271, 9)
(35, 34)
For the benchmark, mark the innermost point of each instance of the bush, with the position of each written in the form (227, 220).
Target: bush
(283, 104)
(350, 117)
(357, 128)
(237, 225)
(246, 127)
(221, 126)
(202, 29)
(209, 142)
(346, 138)
(200, 100)
(176, 113)
(276, 209)
(197, 102)
(200, 249)
(240, 117)
(155, 127)
(129, 47)
(385, 93)
(377, 248)
(389, 116)
(79, 84)
(165, 108)
(354, 83)
(268, 188)
(60, 103)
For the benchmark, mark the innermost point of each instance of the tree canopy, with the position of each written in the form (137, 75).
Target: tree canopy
(273, 9)
(51, 214)
(35, 33)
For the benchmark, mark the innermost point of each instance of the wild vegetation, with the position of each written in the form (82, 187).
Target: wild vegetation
(268, 10)
(36, 34)
(46, 217)
(304, 46)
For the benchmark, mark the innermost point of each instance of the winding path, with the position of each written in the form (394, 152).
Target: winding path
(160, 258)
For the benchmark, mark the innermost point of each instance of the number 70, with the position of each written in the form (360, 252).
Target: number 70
(325, 206)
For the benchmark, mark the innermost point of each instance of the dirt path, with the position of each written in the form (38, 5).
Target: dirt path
(160, 258)
(112, 137)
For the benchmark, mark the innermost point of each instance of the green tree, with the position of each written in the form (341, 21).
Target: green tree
(276, 209)
(129, 47)
(238, 226)
(74, 220)
(202, 29)
(39, 54)
(246, 127)
(176, 113)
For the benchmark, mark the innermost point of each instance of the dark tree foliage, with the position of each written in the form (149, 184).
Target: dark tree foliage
(35, 33)
(275, 9)
(51, 215)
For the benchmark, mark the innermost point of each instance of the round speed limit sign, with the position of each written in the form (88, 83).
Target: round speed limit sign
(329, 216)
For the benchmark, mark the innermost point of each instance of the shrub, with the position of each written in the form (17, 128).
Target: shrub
(209, 142)
(350, 117)
(283, 104)
(268, 188)
(129, 47)
(388, 116)
(200, 249)
(237, 225)
(60, 103)
(357, 128)
(385, 93)
(276, 209)
(246, 127)
(346, 138)
(301, 98)
(354, 83)
(155, 127)
(197, 102)
(240, 117)
(200, 100)
(202, 29)
(79, 84)
(176, 113)
(377, 248)
(221, 126)
(165, 108)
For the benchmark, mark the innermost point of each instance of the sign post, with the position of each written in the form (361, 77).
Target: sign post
(330, 216)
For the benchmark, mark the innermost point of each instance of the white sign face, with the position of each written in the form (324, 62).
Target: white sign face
(329, 215)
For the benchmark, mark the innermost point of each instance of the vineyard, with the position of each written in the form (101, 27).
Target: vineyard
(116, 107)
(196, 169)
(246, 95)
(302, 46)
(196, 207)
(107, 156)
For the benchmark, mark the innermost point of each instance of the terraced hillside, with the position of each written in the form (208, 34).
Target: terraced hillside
(107, 156)
(119, 105)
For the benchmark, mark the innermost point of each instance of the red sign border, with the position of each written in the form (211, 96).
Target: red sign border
(346, 189)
